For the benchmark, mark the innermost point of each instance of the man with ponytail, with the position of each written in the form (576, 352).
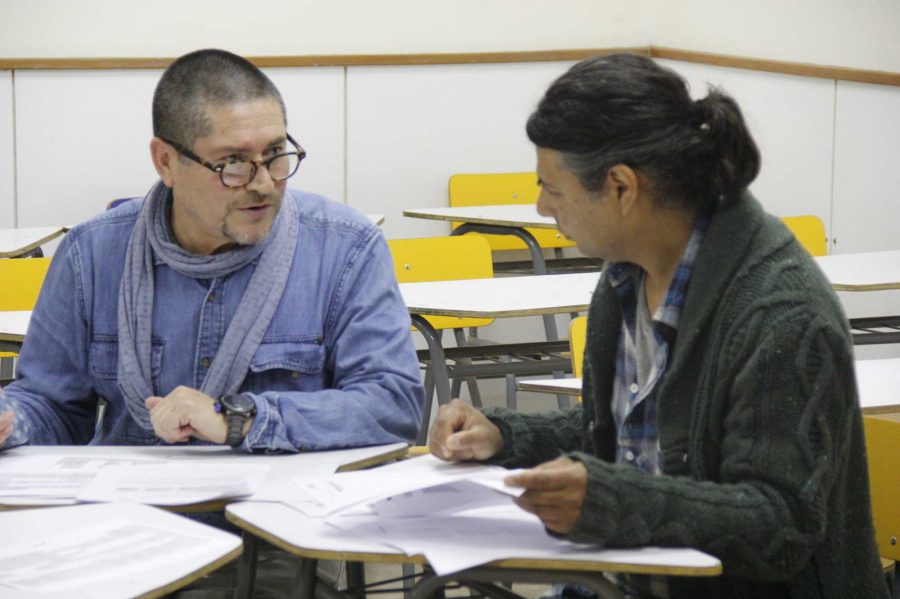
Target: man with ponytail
(720, 407)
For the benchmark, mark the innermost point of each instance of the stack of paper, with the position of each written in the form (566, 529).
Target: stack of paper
(456, 515)
(63, 479)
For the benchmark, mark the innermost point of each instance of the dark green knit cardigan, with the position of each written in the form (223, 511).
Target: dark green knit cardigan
(761, 436)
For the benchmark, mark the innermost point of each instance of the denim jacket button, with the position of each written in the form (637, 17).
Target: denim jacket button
(204, 362)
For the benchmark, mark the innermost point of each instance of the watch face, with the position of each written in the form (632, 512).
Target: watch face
(240, 404)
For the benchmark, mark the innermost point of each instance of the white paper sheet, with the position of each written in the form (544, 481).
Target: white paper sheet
(93, 553)
(462, 540)
(56, 476)
(180, 483)
(405, 482)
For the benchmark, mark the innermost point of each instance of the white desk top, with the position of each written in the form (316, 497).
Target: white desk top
(878, 382)
(172, 552)
(504, 215)
(879, 385)
(14, 324)
(14, 242)
(309, 537)
(502, 297)
(378, 219)
(281, 466)
(870, 271)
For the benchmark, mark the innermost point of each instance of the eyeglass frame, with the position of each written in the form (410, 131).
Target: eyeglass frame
(220, 168)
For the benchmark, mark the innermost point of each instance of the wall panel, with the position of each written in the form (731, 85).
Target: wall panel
(82, 139)
(7, 161)
(791, 119)
(410, 128)
(314, 99)
(867, 168)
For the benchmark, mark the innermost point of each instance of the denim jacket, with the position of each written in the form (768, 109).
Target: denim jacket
(336, 367)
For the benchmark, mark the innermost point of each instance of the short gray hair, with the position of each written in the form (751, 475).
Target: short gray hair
(198, 80)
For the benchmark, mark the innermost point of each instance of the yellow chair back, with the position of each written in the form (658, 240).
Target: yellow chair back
(443, 259)
(503, 188)
(21, 280)
(883, 449)
(577, 338)
(577, 341)
(810, 232)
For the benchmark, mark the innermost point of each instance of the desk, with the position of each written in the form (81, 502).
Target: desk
(172, 552)
(13, 326)
(866, 272)
(569, 386)
(281, 466)
(870, 271)
(878, 382)
(493, 298)
(17, 242)
(879, 385)
(312, 540)
(502, 219)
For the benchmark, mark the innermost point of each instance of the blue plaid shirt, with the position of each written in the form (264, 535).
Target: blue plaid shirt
(635, 401)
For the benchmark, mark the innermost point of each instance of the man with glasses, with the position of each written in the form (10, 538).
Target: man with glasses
(222, 307)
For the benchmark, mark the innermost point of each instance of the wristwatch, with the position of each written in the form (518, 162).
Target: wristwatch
(237, 409)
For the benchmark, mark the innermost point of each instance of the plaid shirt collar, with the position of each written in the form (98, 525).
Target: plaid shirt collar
(634, 408)
(624, 277)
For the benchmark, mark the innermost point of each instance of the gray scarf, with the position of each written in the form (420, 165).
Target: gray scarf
(251, 319)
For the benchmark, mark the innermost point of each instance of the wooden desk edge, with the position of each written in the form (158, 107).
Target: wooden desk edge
(865, 287)
(524, 386)
(515, 563)
(497, 314)
(373, 460)
(875, 410)
(477, 220)
(34, 245)
(196, 575)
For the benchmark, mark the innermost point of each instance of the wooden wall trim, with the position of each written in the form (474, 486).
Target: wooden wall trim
(330, 60)
(340, 60)
(779, 66)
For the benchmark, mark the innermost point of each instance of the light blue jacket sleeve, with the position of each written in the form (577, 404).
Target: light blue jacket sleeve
(52, 398)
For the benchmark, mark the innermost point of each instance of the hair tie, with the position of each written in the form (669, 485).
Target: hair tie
(699, 109)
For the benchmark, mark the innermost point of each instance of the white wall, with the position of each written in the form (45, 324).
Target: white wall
(850, 33)
(410, 128)
(867, 168)
(861, 34)
(791, 120)
(7, 170)
(103, 28)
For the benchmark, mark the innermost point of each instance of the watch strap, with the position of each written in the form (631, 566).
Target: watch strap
(235, 428)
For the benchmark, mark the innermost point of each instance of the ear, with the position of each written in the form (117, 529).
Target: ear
(164, 157)
(622, 182)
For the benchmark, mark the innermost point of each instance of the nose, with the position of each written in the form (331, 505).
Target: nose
(262, 181)
(544, 205)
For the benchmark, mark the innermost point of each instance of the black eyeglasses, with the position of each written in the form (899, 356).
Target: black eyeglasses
(237, 173)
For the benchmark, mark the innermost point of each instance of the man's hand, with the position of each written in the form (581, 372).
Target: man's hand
(186, 413)
(555, 492)
(6, 426)
(461, 432)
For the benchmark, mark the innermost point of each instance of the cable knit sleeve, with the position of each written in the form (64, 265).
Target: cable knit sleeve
(531, 439)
